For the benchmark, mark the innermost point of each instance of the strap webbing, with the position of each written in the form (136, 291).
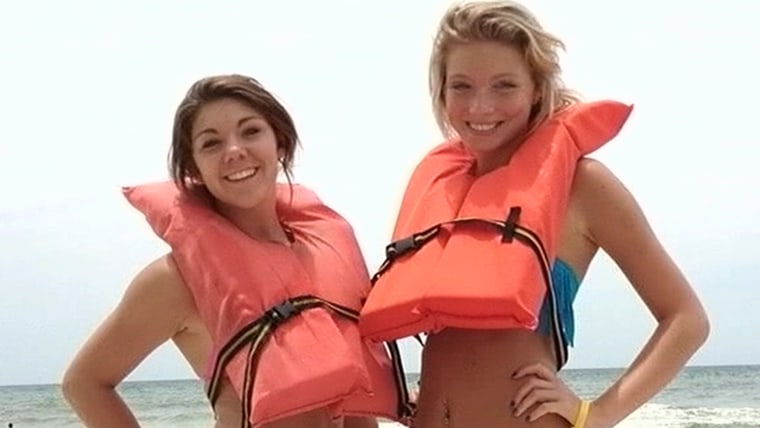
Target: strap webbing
(509, 229)
(254, 334)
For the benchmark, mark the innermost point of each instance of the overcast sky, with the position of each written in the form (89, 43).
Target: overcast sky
(90, 88)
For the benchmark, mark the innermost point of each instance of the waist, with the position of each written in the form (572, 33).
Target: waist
(466, 377)
(227, 414)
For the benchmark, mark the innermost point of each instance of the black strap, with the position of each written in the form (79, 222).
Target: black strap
(510, 229)
(254, 335)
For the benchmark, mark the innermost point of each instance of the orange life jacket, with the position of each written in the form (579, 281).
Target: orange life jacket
(476, 251)
(282, 320)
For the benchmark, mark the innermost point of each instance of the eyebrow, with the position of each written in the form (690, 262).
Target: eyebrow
(498, 76)
(240, 122)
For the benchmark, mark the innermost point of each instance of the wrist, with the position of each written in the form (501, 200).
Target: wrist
(597, 417)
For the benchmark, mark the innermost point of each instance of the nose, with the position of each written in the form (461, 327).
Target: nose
(233, 150)
(482, 102)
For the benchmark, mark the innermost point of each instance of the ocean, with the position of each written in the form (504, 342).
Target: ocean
(701, 397)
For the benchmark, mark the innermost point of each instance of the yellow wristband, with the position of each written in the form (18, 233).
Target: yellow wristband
(580, 418)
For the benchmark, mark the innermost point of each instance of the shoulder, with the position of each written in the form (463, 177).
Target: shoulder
(158, 288)
(160, 275)
(600, 197)
(592, 176)
(612, 219)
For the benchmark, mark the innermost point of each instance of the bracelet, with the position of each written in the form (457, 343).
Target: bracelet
(580, 418)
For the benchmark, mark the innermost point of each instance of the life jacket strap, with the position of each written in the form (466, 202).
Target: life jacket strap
(254, 335)
(510, 230)
(406, 408)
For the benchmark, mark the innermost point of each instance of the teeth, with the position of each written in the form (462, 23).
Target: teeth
(483, 126)
(241, 175)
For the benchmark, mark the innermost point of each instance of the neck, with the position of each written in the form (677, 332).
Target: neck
(260, 222)
(488, 161)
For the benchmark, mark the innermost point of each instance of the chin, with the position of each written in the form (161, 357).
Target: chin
(239, 202)
(483, 147)
(490, 144)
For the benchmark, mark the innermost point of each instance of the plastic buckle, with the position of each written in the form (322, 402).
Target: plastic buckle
(282, 312)
(400, 247)
(511, 224)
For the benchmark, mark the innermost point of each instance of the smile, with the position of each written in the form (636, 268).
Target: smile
(241, 175)
(483, 127)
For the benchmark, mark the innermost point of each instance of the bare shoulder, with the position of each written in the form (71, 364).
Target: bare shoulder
(609, 213)
(159, 287)
(155, 307)
(614, 221)
(598, 190)
(158, 276)
(595, 192)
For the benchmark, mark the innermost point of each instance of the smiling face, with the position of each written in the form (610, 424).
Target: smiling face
(494, 77)
(235, 152)
(488, 95)
(230, 138)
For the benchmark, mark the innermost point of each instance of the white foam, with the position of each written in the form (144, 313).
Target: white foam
(662, 416)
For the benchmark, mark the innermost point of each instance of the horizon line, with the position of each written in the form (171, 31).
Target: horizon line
(694, 366)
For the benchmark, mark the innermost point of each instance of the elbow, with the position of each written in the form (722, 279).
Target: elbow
(78, 386)
(690, 324)
(71, 384)
(701, 325)
(695, 325)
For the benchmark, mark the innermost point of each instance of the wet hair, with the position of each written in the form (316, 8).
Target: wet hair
(182, 167)
(513, 25)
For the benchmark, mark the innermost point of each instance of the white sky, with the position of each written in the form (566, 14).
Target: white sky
(90, 89)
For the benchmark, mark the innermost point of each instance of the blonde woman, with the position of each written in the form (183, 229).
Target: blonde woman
(498, 96)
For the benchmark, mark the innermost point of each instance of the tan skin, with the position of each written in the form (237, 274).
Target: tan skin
(157, 306)
(467, 375)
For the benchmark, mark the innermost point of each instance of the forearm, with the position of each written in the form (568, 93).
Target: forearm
(98, 405)
(659, 362)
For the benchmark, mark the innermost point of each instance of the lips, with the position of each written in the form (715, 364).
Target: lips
(480, 127)
(241, 175)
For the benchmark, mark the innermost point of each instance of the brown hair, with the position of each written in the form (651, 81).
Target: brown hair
(182, 168)
(505, 22)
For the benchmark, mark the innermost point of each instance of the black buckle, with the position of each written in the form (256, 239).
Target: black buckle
(395, 249)
(511, 224)
(282, 312)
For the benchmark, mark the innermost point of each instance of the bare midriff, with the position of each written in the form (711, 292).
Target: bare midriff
(466, 378)
(228, 414)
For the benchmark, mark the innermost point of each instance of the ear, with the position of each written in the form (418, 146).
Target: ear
(195, 178)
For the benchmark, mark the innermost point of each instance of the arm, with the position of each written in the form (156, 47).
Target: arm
(609, 218)
(615, 222)
(150, 312)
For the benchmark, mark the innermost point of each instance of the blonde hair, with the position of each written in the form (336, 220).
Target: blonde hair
(509, 23)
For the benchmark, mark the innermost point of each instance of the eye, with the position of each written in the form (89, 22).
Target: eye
(505, 84)
(459, 86)
(210, 143)
(249, 132)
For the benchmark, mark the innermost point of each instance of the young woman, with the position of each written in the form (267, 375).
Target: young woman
(497, 228)
(261, 289)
